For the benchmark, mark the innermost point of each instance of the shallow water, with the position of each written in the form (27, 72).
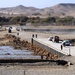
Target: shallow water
(53, 31)
(7, 52)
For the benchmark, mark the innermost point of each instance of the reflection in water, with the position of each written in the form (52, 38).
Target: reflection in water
(7, 52)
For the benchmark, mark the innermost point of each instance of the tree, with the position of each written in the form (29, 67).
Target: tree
(51, 19)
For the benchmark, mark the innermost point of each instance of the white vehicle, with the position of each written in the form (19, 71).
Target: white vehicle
(50, 38)
(18, 29)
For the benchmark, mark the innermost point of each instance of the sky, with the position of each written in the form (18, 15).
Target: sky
(33, 3)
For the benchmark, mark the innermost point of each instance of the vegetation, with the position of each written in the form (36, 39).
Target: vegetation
(22, 20)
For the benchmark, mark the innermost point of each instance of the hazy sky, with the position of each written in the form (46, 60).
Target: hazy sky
(33, 3)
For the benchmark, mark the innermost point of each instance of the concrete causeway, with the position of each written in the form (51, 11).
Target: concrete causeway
(57, 46)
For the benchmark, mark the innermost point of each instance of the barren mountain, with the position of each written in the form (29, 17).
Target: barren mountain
(18, 10)
(57, 10)
(64, 9)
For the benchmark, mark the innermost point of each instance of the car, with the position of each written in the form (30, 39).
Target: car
(18, 29)
(50, 38)
(66, 43)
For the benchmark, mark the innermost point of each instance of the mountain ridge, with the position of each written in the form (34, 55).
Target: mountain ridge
(62, 9)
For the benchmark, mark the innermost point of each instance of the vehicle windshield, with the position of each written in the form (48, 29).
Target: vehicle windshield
(66, 41)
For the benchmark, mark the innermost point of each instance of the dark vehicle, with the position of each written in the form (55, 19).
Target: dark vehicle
(56, 39)
(9, 30)
(66, 43)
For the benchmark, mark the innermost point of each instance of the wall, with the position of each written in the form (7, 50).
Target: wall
(51, 50)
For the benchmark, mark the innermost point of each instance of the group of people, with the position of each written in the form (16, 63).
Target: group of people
(34, 35)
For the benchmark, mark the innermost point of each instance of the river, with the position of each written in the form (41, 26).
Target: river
(7, 52)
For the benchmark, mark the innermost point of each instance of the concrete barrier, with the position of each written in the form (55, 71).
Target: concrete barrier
(51, 50)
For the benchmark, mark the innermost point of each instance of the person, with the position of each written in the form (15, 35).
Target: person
(17, 33)
(36, 35)
(61, 47)
(32, 35)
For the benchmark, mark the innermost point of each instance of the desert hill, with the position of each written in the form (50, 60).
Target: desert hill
(62, 9)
